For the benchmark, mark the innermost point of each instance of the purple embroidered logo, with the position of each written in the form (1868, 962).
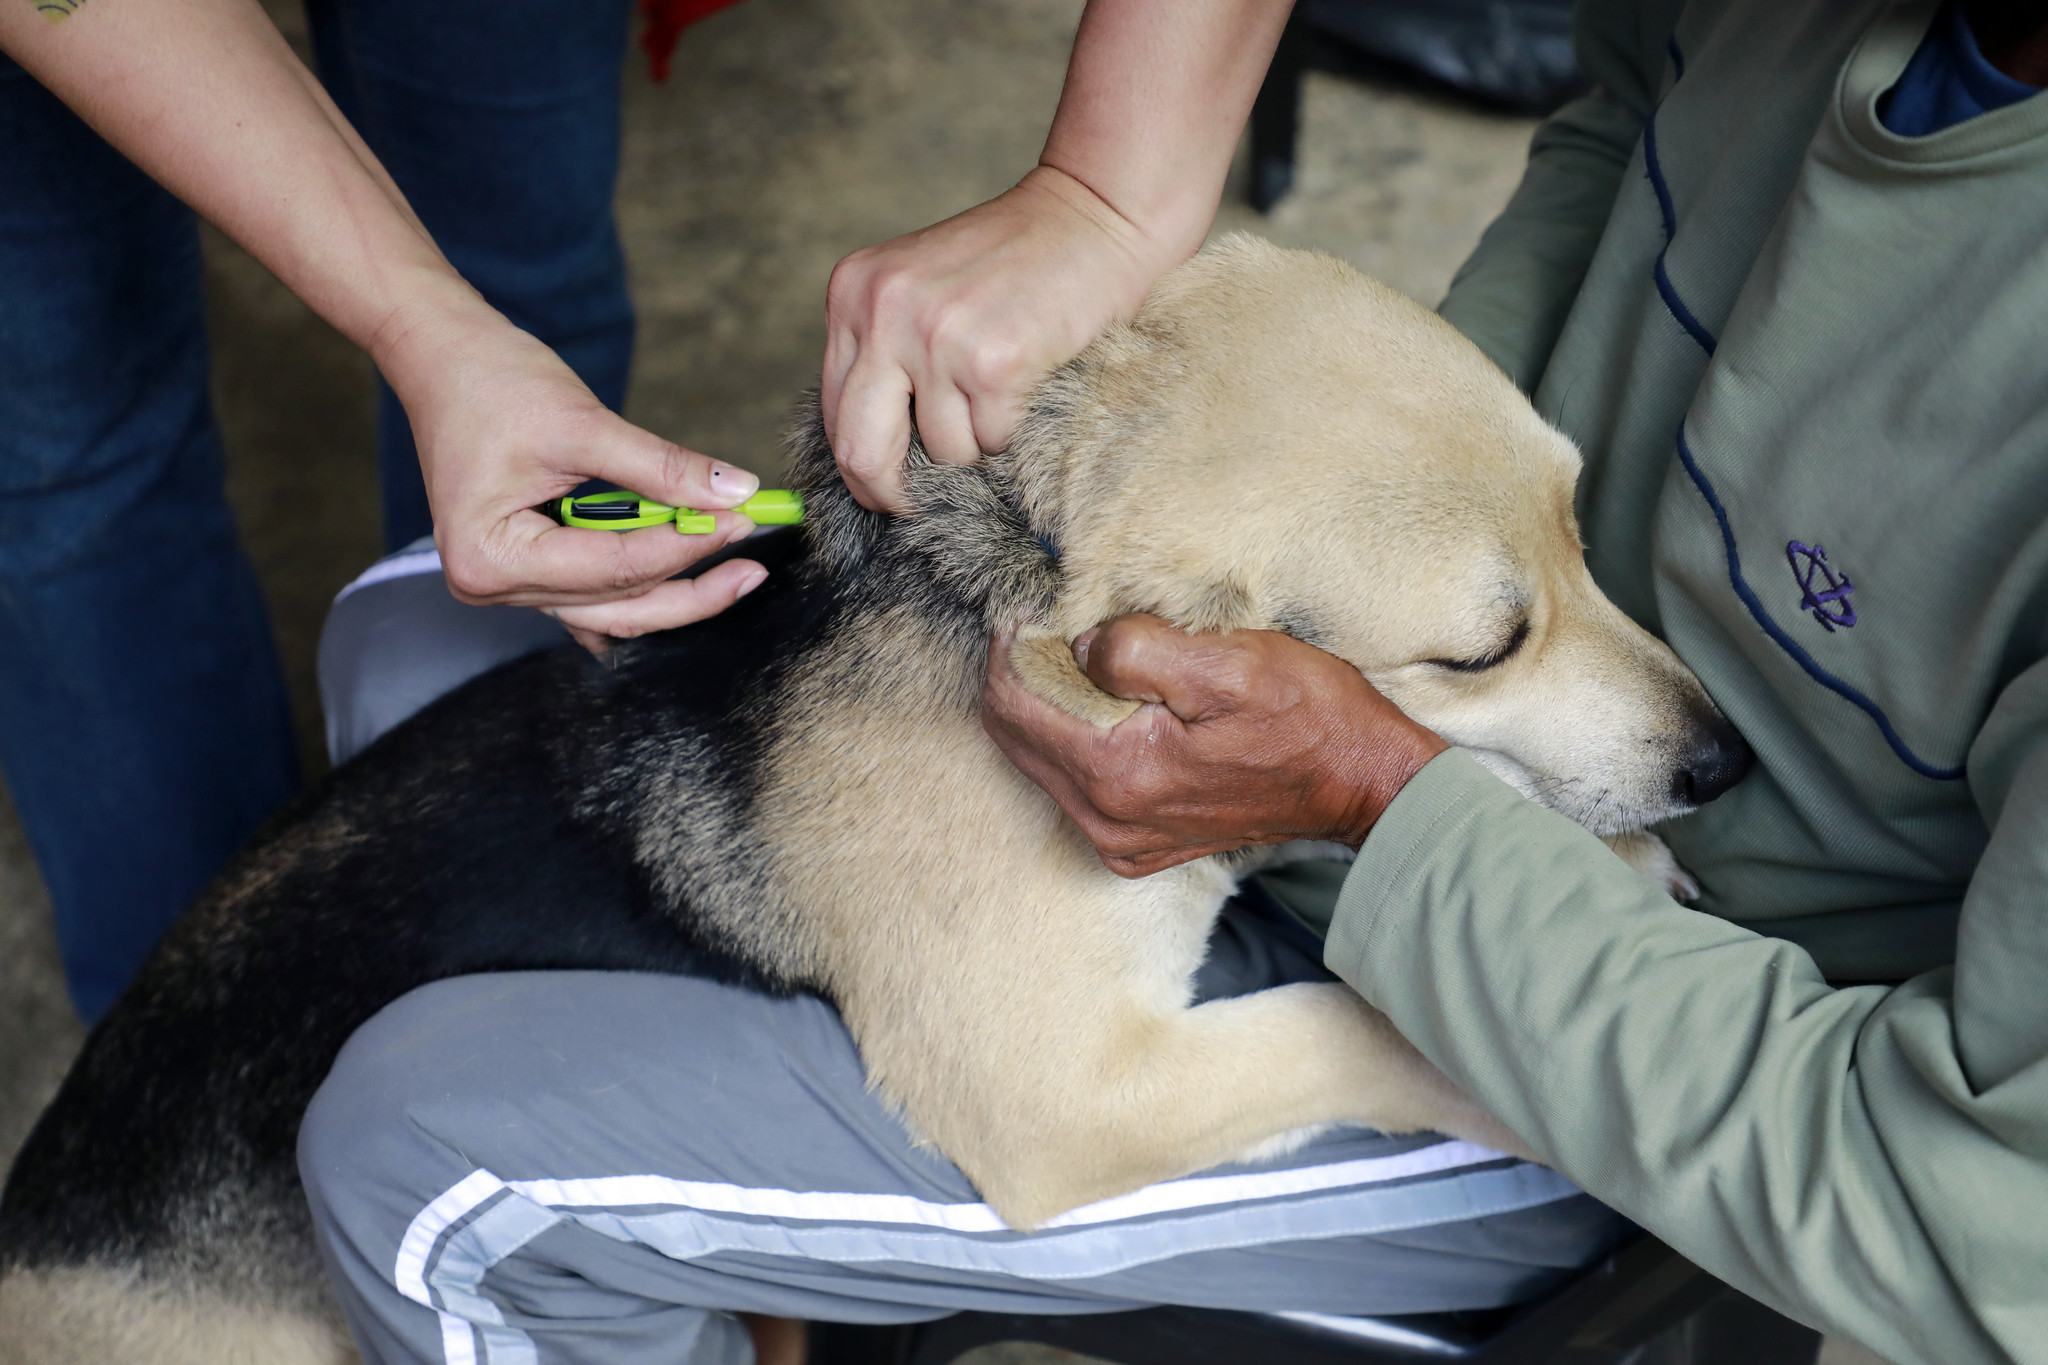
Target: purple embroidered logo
(1821, 591)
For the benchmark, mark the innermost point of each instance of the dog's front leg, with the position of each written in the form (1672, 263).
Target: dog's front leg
(1046, 663)
(1652, 857)
(1215, 1083)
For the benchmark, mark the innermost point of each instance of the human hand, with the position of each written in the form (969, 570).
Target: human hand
(965, 316)
(503, 425)
(1246, 738)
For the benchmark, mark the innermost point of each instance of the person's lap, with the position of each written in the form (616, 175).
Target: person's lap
(582, 1165)
(593, 1160)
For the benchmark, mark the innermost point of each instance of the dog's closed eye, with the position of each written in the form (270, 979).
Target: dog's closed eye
(1491, 660)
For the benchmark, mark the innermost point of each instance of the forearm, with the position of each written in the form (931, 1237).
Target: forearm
(1156, 97)
(206, 97)
(1818, 1148)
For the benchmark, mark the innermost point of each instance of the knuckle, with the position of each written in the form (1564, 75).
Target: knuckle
(679, 465)
(949, 329)
(891, 295)
(848, 283)
(1146, 792)
(1117, 652)
(1128, 799)
(857, 459)
(1125, 845)
(623, 578)
(992, 363)
(1106, 797)
(472, 584)
(1233, 677)
(1112, 644)
(1109, 835)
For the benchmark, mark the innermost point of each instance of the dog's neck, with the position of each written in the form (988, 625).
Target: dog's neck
(981, 542)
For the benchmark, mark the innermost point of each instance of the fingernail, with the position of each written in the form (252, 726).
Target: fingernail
(734, 482)
(751, 581)
(1082, 643)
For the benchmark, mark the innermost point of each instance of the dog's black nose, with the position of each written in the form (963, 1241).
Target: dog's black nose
(1716, 761)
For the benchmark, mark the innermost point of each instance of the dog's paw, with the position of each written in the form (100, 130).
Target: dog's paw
(1652, 857)
(1046, 664)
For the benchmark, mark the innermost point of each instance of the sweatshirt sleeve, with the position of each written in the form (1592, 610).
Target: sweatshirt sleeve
(1512, 294)
(1870, 1160)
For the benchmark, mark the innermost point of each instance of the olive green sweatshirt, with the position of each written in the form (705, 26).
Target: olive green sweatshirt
(1807, 363)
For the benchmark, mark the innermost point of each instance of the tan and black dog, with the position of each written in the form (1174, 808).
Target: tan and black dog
(799, 794)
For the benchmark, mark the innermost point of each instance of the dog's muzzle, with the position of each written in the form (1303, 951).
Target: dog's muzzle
(1716, 760)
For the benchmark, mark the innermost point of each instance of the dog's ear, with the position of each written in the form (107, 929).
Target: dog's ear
(1046, 664)
(840, 531)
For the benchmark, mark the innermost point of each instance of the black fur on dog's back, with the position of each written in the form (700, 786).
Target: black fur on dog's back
(505, 827)
(467, 840)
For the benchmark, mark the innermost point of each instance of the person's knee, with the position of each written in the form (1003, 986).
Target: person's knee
(355, 1134)
(395, 641)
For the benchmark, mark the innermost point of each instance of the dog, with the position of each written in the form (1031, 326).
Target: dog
(1275, 442)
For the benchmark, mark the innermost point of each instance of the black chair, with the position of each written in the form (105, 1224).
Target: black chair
(1644, 1305)
(1508, 54)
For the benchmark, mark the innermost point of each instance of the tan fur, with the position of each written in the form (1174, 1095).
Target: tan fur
(1652, 857)
(1276, 442)
(89, 1316)
(1046, 663)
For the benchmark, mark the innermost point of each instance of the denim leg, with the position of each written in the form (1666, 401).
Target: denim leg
(500, 121)
(143, 723)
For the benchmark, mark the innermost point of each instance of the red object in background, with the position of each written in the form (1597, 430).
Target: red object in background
(666, 20)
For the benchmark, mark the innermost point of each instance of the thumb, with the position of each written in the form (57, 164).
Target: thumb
(623, 454)
(1142, 658)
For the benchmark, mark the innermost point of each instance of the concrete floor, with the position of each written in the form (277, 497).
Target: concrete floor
(791, 132)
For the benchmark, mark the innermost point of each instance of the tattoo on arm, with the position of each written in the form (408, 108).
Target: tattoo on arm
(53, 10)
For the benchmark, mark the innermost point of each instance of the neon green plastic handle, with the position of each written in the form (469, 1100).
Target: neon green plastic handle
(618, 511)
(775, 507)
(622, 511)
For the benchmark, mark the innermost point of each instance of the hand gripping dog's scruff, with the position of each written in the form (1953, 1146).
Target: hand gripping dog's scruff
(799, 794)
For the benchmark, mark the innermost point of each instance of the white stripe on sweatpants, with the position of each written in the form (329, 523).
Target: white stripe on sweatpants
(687, 1219)
(1202, 1191)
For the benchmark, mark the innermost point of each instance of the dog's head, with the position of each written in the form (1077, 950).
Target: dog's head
(1278, 442)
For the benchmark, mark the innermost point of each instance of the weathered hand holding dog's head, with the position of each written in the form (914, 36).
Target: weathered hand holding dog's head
(1247, 738)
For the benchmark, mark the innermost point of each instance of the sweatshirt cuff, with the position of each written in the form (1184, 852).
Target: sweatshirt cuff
(1431, 820)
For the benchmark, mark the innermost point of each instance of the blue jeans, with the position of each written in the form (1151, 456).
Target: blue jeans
(500, 121)
(144, 729)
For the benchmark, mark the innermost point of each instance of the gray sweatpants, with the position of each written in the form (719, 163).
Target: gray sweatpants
(603, 1167)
